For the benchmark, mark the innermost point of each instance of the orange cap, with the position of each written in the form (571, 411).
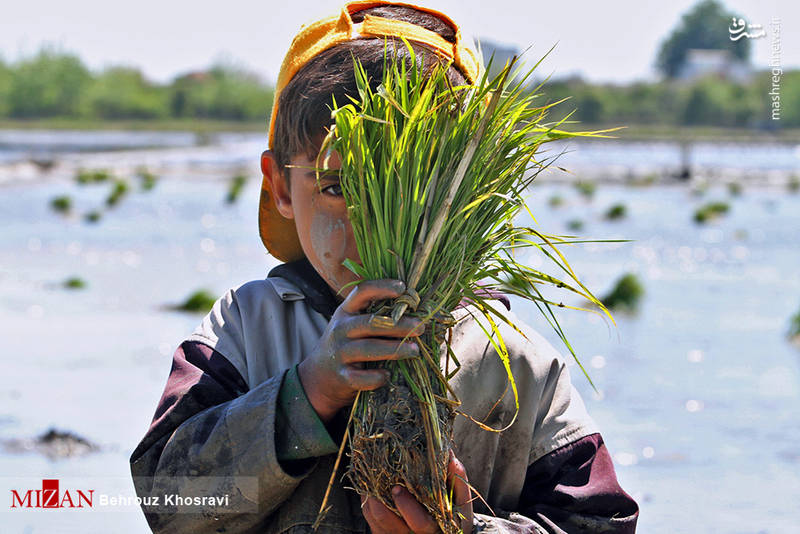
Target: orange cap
(279, 234)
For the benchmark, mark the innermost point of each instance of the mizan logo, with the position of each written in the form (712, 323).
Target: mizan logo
(50, 497)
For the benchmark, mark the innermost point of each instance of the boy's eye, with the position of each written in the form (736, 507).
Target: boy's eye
(333, 189)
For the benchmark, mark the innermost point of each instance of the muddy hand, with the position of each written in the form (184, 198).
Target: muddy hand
(334, 373)
(413, 516)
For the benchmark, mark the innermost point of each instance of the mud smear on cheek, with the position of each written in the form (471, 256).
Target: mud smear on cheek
(329, 239)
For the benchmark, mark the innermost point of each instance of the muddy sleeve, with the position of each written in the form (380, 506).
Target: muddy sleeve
(300, 435)
(213, 440)
(573, 489)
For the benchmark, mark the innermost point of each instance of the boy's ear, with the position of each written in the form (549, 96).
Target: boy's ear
(280, 190)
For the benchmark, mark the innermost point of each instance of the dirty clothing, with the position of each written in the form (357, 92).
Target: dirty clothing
(234, 416)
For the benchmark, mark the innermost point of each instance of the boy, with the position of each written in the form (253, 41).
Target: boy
(257, 398)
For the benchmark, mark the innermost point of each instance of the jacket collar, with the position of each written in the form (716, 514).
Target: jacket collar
(314, 288)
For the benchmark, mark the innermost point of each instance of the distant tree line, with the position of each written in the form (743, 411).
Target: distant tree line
(708, 101)
(712, 100)
(55, 84)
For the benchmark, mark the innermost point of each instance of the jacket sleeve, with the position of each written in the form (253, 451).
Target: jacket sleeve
(213, 437)
(573, 489)
(553, 452)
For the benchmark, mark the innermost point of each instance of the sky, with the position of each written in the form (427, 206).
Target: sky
(613, 41)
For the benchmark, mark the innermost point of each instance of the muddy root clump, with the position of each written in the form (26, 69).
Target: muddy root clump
(398, 439)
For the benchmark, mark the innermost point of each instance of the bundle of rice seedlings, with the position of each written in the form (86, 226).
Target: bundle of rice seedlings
(433, 177)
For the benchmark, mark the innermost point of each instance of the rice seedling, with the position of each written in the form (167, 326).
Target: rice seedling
(642, 181)
(586, 188)
(556, 201)
(794, 329)
(625, 295)
(710, 212)
(93, 216)
(61, 204)
(235, 188)
(433, 176)
(118, 191)
(200, 301)
(96, 176)
(147, 178)
(735, 188)
(575, 225)
(75, 282)
(616, 212)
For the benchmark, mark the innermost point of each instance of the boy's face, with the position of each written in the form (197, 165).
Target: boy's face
(320, 215)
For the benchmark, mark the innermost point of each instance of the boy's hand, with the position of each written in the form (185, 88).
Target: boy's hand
(334, 372)
(413, 516)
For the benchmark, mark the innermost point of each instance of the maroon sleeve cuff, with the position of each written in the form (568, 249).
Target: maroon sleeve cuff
(575, 489)
(199, 379)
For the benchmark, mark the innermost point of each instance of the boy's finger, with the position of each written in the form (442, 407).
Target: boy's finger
(370, 290)
(377, 350)
(457, 477)
(415, 515)
(381, 519)
(361, 326)
(364, 379)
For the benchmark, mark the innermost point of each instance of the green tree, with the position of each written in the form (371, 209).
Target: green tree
(590, 105)
(790, 100)
(224, 92)
(6, 77)
(705, 26)
(124, 93)
(714, 102)
(50, 84)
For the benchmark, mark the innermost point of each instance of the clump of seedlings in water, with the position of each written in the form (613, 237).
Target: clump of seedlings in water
(556, 201)
(118, 191)
(92, 176)
(75, 282)
(625, 295)
(586, 188)
(434, 176)
(794, 183)
(710, 212)
(616, 212)
(794, 329)
(576, 225)
(643, 181)
(235, 188)
(735, 188)
(147, 179)
(93, 216)
(62, 204)
(200, 301)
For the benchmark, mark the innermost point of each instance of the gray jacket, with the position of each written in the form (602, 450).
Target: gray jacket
(214, 431)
